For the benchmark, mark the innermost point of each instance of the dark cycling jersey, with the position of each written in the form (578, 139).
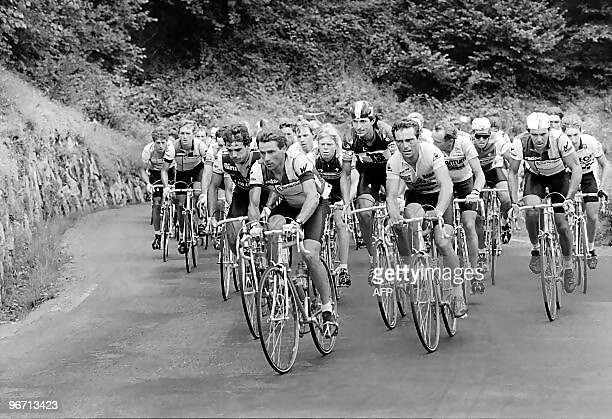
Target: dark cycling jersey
(331, 172)
(225, 164)
(372, 156)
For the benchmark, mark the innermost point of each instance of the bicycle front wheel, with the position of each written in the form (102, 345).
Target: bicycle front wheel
(424, 303)
(385, 290)
(581, 254)
(277, 320)
(464, 262)
(495, 244)
(248, 289)
(548, 276)
(226, 266)
(324, 344)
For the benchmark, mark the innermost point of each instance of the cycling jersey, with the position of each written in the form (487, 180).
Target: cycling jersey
(330, 171)
(422, 177)
(155, 161)
(296, 170)
(589, 150)
(458, 159)
(370, 156)
(225, 165)
(550, 161)
(296, 148)
(491, 155)
(188, 159)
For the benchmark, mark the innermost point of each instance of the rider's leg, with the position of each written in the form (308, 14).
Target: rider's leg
(468, 219)
(343, 238)
(157, 214)
(451, 262)
(365, 222)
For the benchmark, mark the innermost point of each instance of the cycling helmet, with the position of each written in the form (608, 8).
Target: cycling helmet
(362, 109)
(481, 126)
(538, 120)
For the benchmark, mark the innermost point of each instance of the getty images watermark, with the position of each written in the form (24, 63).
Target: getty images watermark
(406, 274)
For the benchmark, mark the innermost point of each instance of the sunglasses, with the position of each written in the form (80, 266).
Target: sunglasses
(554, 121)
(482, 136)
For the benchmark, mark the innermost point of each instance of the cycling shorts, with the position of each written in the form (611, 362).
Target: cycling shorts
(536, 185)
(461, 190)
(314, 226)
(240, 203)
(188, 177)
(494, 176)
(155, 179)
(414, 197)
(588, 184)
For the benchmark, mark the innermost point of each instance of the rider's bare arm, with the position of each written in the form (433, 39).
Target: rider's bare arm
(604, 165)
(571, 162)
(393, 187)
(479, 177)
(345, 182)
(311, 201)
(254, 199)
(446, 188)
(215, 182)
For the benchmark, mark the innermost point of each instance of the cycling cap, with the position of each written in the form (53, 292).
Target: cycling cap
(538, 120)
(362, 109)
(481, 126)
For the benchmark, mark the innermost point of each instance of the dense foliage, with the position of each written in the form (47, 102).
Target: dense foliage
(131, 54)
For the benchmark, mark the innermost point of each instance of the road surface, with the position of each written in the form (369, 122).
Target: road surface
(132, 336)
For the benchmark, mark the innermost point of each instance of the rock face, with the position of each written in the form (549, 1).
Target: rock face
(42, 178)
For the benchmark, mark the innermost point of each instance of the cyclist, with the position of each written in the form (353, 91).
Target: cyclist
(546, 156)
(589, 151)
(189, 157)
(306, 142)
(468, 180)
(300, 188)
(328, 163)
(158, 160)
(492, 151)
(420, 165)
(371, 142)
(213, 152)
(235, 161)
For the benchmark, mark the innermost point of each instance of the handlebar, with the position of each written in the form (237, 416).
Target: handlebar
(374, 208)
(290, 228)
(494, 190)
(480, 202)
(540, 206)
(232, 220)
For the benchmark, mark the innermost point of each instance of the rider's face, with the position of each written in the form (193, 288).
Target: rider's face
(289, 135)
(481, 139)
(573, 133)
(327, 147)
(305, 138)
(186, 137)
(407, 142)
(238, 152)
(539, 137)
(272, 156)
(160, 145)
(364, 127)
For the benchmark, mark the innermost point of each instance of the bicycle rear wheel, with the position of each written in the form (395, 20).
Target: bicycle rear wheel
(548, 277)
(424, 303)
(248, 290)
(225, 266)
(401, 289)
(277, 320)
(187, 239)
(495, 243)
(165, 234)
(582, 253)
(385, 291)
(325, 345)
(194, 241)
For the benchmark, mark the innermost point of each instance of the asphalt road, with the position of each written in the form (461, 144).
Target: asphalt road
(132, 336)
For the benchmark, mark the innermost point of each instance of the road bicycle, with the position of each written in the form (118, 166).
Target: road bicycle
(388, 292)
(284, 304)
(491, 229)
(460, 245)
(167, 222)
(354, 228)
(429, 291)
(551, 259)
(188, 228)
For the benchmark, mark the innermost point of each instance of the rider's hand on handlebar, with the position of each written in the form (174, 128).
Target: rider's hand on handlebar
(149, 188)
(568, 206)
(474, 196)
(213, 222)
(602, 194)
(265, 213)
(433, 214)
(166, 191)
